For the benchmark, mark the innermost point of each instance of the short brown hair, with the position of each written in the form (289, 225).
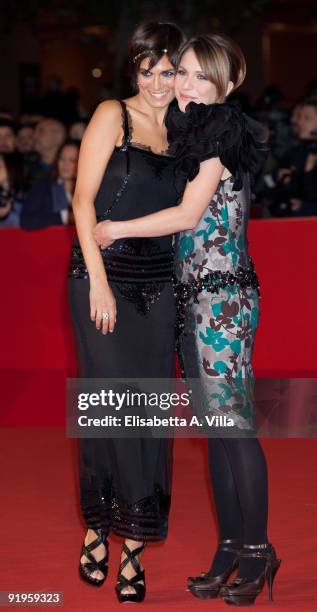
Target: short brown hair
(221, 60)
(153, 39)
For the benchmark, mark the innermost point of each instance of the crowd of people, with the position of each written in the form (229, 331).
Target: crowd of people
(287, 183)
(39, 154)
(38, 169)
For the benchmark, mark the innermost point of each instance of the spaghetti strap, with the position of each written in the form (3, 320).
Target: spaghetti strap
(125, 123)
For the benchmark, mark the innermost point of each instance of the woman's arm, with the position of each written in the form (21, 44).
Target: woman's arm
(186, 215)
(97, 146)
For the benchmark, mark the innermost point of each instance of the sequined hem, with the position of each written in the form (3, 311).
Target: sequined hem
(146, 519)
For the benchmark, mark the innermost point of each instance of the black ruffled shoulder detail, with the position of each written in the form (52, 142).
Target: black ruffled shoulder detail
(215, 130)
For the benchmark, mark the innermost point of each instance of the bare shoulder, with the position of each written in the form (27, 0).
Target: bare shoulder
(110, 107)
(108, 113)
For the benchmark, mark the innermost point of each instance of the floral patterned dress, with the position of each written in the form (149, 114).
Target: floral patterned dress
(217, 286)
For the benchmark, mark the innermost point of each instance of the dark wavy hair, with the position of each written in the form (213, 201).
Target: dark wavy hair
(153, 39)
(14, 164)
(70, 142)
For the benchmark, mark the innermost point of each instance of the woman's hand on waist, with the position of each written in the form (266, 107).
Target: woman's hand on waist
(103, 308)
(102, 234)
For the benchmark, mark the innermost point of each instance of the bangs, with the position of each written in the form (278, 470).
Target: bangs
(221, 60)
(215, 65)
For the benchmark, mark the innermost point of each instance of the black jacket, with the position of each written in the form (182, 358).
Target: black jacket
(38, 210)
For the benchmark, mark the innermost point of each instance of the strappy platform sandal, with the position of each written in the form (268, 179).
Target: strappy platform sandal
(206, 586)
(242, 592)
(88, 568)
(137, 582)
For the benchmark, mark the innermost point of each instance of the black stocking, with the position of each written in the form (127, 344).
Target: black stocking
(239, 479)
(227, 504)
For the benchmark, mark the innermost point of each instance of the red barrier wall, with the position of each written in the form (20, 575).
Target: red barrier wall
(36, 335)
(36, 331)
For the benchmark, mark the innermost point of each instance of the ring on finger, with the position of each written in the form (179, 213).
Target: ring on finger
(105, 316)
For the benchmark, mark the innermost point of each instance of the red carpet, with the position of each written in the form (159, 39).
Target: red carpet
(43, 530)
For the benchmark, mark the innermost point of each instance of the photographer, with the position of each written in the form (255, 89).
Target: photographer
(295, 192)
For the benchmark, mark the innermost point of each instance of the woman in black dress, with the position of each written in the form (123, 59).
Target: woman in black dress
(122, 305)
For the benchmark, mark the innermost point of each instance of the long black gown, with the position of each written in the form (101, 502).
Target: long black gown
(125, 484)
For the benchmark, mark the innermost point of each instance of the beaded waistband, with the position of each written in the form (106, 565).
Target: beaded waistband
(212, 282)
(122, 267)
(216, 280)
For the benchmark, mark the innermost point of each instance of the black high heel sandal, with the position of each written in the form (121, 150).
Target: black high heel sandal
(242, 592)
(86, 569)
(137, 582)
(206, 586)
